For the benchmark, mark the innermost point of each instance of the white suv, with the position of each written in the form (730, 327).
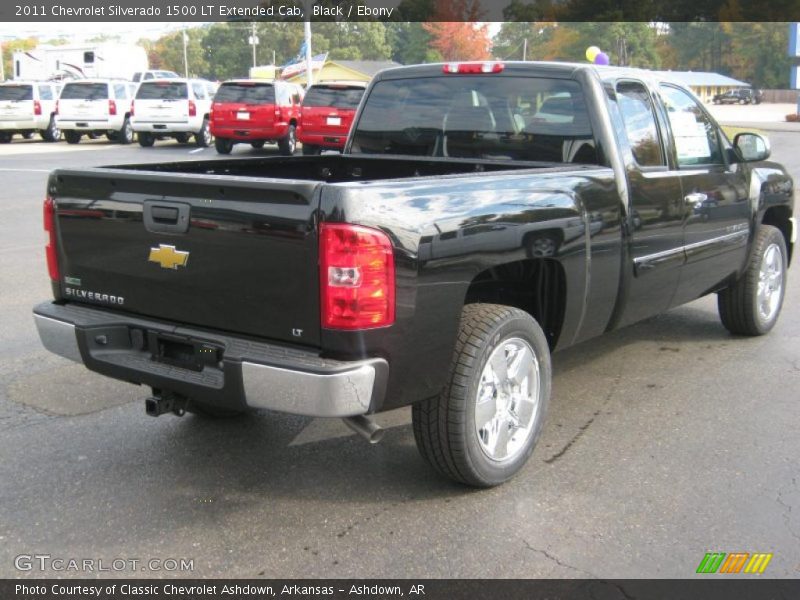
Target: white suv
(95, 107)
(176, 108)
(27, 107)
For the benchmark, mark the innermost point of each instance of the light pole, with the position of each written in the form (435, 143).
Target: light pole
(185, 55)
(253, 41)
(309, 75)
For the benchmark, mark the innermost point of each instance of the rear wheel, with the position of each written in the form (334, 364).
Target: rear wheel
(483, 427)
(5, 137)
(52, 133)
(203, 137)
(751, 306)
(125, 134)
(310, 150)
(258, 144)
(146, 139)
(28, 135)
(288, 144)
(72, 137)
(223, 145)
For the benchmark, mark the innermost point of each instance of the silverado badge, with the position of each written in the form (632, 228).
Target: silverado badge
(168, 257)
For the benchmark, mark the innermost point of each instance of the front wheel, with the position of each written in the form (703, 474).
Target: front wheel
(288, 144)
(483, 427)
(182, 138)
(125, 134)
(146, 139)
(258, 144)
(310, 150)
(223, 145)
(203, 137)
(5, 137)
(751, 306)
(51, 134)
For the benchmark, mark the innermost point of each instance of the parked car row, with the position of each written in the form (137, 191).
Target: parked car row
(239, 111)
(739, 96)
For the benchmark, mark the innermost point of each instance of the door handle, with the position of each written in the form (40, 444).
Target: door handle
(166, 217)
(695, 198)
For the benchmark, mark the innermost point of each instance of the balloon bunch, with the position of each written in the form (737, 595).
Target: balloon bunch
(596, 56)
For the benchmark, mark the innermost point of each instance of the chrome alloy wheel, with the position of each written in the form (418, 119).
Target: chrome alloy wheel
(507, 401)
(770, 283)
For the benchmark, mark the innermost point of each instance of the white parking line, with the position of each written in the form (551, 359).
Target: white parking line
(196, 150)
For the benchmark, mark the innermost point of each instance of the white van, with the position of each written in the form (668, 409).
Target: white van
(96, 107)
(176, 108)
(27, 107)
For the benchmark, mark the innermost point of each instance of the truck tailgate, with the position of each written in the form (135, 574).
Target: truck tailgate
(212, 251)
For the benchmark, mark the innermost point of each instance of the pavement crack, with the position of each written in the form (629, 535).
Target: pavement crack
(555, 559)
(787, 508)
(582, 429)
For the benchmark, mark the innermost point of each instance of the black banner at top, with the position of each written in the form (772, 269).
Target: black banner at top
(399, 10)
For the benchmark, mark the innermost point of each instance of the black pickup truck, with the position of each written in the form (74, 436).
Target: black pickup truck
(482, 216)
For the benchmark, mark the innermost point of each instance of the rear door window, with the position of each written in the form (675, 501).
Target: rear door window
(636, 108)
(16, 93)
(199, 91)
(45, 92)
(162, 90)
(246, 93)
(85, 91)
(120, 91)
(333, 96)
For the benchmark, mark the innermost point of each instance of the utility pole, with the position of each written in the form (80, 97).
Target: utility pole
(185, 55)
(309, 76)
(253, 41)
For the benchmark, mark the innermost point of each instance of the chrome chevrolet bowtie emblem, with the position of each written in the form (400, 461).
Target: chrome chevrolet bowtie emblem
(168, 257)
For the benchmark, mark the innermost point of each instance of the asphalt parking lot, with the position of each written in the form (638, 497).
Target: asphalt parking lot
(665, 440)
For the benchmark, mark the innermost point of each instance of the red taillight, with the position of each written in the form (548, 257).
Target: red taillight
(192, 108)
(112, 107)
(356, 277)
(473, 68)
(56, 106)
(37, 107)
(50, 248)
(131, 107)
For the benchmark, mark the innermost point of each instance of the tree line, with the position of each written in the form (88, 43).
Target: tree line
(751, 52)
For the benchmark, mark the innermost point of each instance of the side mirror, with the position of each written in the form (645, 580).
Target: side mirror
(751, 147)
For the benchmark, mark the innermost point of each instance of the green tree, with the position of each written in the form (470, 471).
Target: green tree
(410, 43)
(518, 39)
(12, 46)
(169, 49)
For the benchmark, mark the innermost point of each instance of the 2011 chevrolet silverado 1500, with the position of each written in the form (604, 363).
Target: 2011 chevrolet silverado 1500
(482, 215)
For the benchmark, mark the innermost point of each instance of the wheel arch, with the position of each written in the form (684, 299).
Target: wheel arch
(780, 218)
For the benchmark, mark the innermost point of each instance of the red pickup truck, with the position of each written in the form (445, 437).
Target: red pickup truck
(256, 112)
(327, 113)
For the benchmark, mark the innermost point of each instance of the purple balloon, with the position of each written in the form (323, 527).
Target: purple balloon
(601, 59)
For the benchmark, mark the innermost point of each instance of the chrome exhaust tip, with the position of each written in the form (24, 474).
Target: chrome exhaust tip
(365, 427)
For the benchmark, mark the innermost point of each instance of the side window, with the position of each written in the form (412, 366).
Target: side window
(199, 91)
(696, 139)
(640, 123)
(88, 57)
(119, 91)
(45, 92)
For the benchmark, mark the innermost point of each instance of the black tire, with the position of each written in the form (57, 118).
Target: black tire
(125, 134)
(223, 145)
(52, 133)
(444, 427)
(258, 144)
(738, 304)
(288, 143)
(72, 137)
(209, 411)
(310, 150)
(203, 138)
(5, 137)
(28, 135)
(146, 140)
(112, 136)
(182, 138)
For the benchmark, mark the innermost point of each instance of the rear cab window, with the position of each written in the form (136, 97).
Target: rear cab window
(466, 116)
(246, 93)
(16, 93)
(636, 108)
(162, 90)
(335, 96)
(85, 91)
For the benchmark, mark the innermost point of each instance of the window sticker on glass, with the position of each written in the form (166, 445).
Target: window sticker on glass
(691, 138)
